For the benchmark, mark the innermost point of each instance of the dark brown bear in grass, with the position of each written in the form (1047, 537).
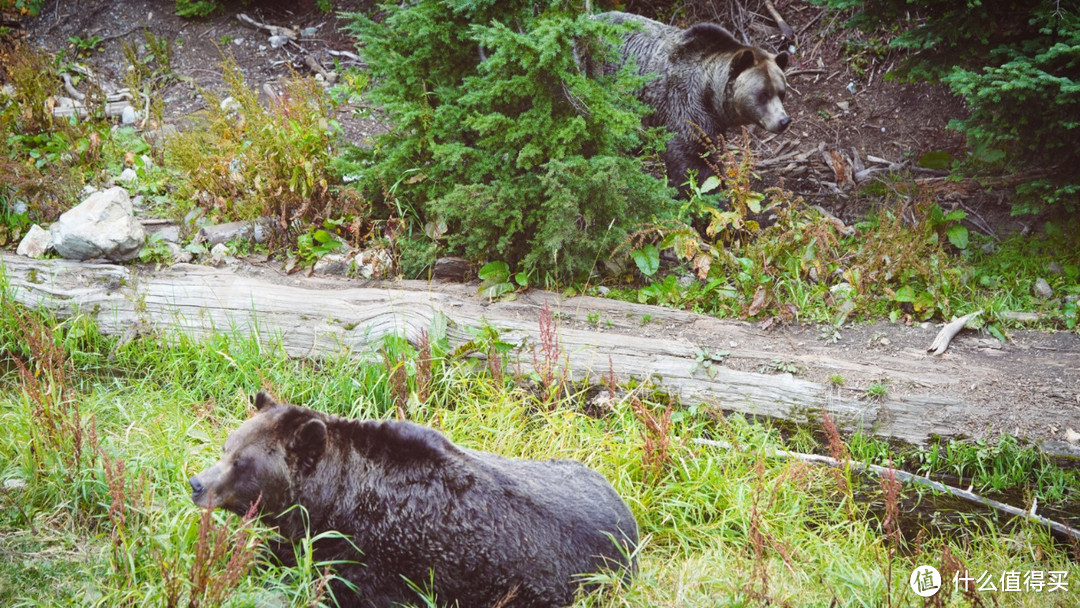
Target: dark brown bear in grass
(474, 528)
(706, 82)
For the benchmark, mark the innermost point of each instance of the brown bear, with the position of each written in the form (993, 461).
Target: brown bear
(704, 79)
(471, 528)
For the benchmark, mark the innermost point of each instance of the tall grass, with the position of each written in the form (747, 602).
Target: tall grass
(100, 437)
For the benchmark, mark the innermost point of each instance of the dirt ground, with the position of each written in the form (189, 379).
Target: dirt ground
(847, 118)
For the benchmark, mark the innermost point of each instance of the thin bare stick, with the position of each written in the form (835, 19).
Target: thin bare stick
(915, 479)
(947, 333)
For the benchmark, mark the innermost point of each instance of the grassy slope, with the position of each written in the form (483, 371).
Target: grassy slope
(115, 526)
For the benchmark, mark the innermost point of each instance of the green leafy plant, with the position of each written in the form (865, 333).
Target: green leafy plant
(878, 390)
(705, 359)
(155, 250)
(495, 280)
(85, 46)
(520, 149)
(314, 244)
(197, 8)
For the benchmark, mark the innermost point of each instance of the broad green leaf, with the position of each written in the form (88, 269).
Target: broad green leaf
(711, 183)
(496, 271)
(647, 259)
(905, 294)
(958, 236)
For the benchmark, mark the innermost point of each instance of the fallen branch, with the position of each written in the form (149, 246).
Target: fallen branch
(904, 476)
(1021, 317)
(785, 29)
(947, 333)
(274, 30)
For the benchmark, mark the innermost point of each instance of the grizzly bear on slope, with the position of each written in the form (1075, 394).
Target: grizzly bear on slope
(704, 79)
(474, 528)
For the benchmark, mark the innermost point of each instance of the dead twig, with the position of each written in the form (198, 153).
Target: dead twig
(904, 476)
(274, 30)
(947, 333)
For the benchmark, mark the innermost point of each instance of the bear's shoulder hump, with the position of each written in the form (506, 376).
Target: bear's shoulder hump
(706, 39)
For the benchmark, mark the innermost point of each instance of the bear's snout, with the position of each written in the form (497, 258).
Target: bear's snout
(197, 489)
(784, 122)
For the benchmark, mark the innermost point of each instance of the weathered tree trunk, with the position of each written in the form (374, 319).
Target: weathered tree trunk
(315, 317)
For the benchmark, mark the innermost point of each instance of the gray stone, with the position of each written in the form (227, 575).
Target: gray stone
(257, 230)
(451, 269)
(333, 264)
(168, 230)
(1042, 289)
(102, 226)
(128, 116)
(1055, 269)
(35, 243)
(278, 41)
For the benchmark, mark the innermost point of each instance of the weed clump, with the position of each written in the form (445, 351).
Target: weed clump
(247, 160)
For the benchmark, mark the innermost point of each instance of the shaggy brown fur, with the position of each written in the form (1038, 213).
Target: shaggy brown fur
(476, 527)
(704, 79)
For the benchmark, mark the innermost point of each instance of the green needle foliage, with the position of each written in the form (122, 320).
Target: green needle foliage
(1016, 64)
(503, 135)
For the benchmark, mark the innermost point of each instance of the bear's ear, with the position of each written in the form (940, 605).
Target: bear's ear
(308, 444)
(783, 60)
(743, 61)
(264, 401)
(706, 39)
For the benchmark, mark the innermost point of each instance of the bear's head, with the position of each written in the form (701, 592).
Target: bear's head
(758, 87)
(754, 87)
(263, 460)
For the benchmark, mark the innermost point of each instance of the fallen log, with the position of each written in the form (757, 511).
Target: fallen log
(313, 317)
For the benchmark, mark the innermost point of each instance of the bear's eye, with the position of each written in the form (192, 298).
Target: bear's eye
(242, 465)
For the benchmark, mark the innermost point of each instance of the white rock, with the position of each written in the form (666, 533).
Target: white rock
(219, 252)
(278, 41)
(14, 484)
(127, 177)
(128, 116)
(1072, 436)
(102, 226)
(229, 104)
(841, 289)
(34, 244)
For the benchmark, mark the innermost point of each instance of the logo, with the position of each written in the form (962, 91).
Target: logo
(925, 581)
